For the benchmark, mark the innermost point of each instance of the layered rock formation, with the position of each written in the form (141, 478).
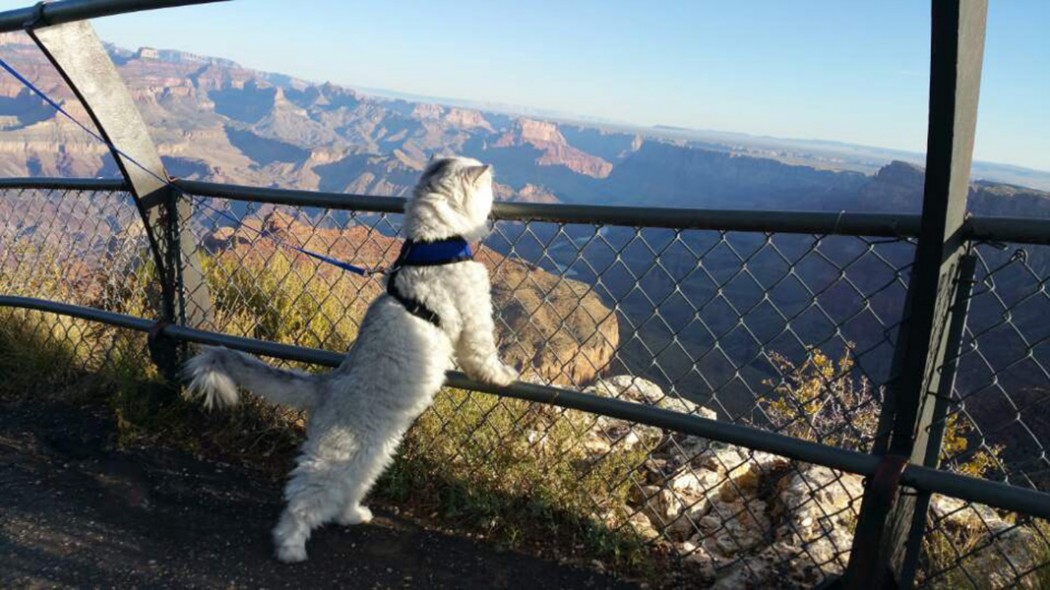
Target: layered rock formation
(213, 119)
(898, 187)
(554, 149)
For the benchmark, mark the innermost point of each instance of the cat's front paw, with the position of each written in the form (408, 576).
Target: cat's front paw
(504, 376)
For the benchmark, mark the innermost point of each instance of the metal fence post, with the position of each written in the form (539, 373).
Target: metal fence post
(957, 48)
(963, 294)
(167, 353)
(81, 59)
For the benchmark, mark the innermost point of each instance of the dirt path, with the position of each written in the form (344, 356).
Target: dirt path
(76, 513)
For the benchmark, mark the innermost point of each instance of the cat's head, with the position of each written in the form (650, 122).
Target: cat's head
(453, 198)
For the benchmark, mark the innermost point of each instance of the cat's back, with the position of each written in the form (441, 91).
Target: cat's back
(396, 349)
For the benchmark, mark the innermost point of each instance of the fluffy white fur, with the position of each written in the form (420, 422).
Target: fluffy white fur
(360, 411)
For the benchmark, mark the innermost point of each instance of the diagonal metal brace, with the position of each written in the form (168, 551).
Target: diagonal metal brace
(869, 561)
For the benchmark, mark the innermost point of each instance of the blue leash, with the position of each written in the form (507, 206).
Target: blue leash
(358, 270)
(43, 95)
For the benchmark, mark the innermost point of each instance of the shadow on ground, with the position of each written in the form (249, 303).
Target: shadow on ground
(74, 512)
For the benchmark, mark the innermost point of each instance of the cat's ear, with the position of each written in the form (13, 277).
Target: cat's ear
(474, 173)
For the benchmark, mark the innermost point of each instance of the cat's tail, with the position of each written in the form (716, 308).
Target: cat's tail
(216, 372)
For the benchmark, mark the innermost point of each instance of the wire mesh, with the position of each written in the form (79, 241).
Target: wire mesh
(1003, 381)
(970, 545)
(55, 242)
(753, 328)
(787, 332)
(997, 427)
(78, 247)
(712, 317)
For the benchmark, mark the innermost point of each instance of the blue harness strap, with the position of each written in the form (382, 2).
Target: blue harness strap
(436, 253)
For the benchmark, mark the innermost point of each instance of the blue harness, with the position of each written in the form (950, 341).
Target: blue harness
(436, 253)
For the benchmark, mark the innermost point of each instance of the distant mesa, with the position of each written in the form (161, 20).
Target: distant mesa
(555, 150)
(901, 174)
(215, 120)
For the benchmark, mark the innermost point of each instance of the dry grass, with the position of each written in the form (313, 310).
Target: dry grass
(467, 465)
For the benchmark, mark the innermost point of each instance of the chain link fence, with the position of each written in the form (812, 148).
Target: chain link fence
(80, 247)
(787, 332)
(969, 545)
(997, 426)
(57, 243)
(736, 326)
(715, 317)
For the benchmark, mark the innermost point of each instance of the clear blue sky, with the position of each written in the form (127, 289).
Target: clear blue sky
(825, 69)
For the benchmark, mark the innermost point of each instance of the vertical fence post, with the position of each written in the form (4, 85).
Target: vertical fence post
(79, 56)
(957, 49)
(167, 353)
(963, 294)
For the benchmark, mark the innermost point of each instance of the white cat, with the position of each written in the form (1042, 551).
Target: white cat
(359, 412)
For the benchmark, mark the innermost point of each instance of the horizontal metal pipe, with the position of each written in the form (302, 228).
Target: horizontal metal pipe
(1008, 229)
(992, 493)
(676, 421)
(794, 448)
(299, 198)
(996, 229)
(1004, 229)
(753, 438)
(1033, 231)
(995, 494)
(779, 221)
(797, 222)
(287, 352)
(86, 313)
(80, 184)
(54, 13)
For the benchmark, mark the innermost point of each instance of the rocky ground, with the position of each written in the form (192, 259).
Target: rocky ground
(76, 512)
(740, 518)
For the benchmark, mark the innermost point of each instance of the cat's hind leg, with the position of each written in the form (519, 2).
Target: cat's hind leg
(354, 514)
(315, 495)
(369, 463)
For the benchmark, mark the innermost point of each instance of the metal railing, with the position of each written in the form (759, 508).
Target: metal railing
(692, 344)
(779, 398)
(54, 13)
